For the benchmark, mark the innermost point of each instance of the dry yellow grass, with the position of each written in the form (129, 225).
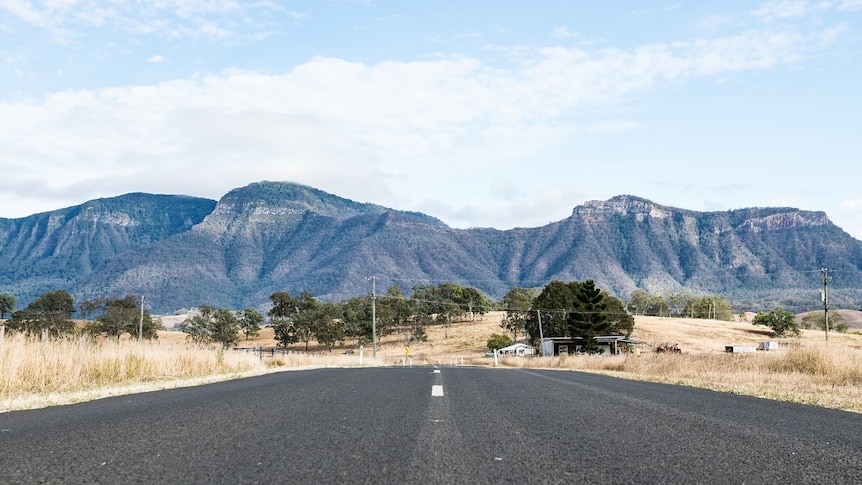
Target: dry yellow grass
(805, 369)
(37, 374)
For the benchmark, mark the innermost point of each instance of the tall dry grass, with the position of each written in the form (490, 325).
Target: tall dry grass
(37, 374)
(808, 372)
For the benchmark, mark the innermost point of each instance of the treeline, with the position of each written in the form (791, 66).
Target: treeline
(574, 309)
(681, 305)
(303, 318)
(51, 315)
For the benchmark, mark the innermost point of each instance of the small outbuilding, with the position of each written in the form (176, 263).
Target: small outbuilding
(516, 350)
(739, 349)
(608, 344)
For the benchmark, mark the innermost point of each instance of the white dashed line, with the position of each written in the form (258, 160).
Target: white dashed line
(436, 371)
(436, 391)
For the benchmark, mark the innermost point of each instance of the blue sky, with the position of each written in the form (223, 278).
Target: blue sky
(483, 114)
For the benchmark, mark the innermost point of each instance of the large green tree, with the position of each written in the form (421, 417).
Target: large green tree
(588, 318)
(52, 311)
(779, 320)
(550, 309)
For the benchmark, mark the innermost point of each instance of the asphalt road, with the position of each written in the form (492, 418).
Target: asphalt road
(427, 425)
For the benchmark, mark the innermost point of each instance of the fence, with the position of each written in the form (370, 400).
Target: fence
(272, 352)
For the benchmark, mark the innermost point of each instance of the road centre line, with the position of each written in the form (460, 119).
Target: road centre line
(436, 391)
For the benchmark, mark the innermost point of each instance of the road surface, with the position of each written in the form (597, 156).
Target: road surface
(431, 425)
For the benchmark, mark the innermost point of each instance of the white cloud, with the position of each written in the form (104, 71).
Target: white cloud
(157, 59)
(850, 6)
(564, 33)
(783, 9)
(362, 131)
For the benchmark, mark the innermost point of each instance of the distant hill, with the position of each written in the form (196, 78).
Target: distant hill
(181, 251)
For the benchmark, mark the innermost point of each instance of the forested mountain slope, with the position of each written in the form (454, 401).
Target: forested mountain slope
(181, 252)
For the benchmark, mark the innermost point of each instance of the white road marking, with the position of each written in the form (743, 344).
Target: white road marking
(436, 391)
(436, 371)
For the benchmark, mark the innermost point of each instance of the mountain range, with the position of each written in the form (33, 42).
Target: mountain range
(181, 252)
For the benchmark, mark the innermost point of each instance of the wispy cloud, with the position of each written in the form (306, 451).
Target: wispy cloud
(218, 20)
(564, 33)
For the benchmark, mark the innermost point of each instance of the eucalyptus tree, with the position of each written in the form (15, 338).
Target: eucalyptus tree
(517, 303)
(52, 311)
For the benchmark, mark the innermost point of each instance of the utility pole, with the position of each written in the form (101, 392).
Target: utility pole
(141, 322)
(374, 314)
(825, 298)
(541, 337)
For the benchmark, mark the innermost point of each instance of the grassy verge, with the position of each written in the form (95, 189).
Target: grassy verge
(809, 372)
(38, 374)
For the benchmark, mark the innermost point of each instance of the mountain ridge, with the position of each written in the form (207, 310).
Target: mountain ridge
(184, 251)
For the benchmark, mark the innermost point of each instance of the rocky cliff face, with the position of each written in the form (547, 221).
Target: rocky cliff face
(183, 252)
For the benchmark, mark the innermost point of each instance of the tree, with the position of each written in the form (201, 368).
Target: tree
(7, 304)
(249, 322)
(212, 325)
(91, 307)
(121, 315)
(356, 317)
(497, 341)
(779, 320)
(52, 311)
(400, 307)
(711, 307)
(553, 303)
(197, 327)
(588, 318)
(621, 321)
(817, 321)
(640, 302)
(308, 312)
(328, 329)
(474, 301)
(224, 328)
(517, 303)
(284, 307)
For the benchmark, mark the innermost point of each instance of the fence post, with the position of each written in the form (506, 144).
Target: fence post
(2, 332)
